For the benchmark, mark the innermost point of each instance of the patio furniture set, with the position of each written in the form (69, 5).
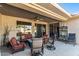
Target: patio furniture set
(36, 44)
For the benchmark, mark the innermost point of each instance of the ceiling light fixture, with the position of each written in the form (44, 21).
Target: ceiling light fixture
(37, 18)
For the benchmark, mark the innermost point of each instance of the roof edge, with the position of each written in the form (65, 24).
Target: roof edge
(61, 9)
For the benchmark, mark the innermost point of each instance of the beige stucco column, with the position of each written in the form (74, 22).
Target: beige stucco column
(47, 29)
(33, 29)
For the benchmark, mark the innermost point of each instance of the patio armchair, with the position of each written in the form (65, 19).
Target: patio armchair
(37, 47)
(16, 45)
(50, 45)
(45, 39)
(72, 38)
(27, 38)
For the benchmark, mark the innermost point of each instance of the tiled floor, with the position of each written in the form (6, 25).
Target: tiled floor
(62, 49)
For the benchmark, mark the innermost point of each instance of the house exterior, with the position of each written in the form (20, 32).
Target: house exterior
(73, 27)
(48, 14)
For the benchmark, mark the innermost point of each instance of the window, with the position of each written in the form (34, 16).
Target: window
(24, 27)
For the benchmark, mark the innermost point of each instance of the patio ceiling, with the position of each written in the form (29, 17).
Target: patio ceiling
(18, 12)
(47, 9)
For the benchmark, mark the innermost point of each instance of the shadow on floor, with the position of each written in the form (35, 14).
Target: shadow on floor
(5, 51)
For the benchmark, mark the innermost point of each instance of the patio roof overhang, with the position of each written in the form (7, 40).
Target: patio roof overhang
(74, 17)
(51, 10)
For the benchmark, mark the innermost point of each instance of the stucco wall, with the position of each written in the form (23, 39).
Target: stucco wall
(73, 27)
(33, 23)
(0, 23)
(9, 18)
(0, 27)
(9, 21)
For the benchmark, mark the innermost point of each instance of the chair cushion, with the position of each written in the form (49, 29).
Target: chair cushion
(37, 42)
(13, 41)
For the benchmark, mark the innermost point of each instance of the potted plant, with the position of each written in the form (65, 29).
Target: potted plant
(5, 35)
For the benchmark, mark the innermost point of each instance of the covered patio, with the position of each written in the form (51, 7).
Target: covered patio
(39, 19)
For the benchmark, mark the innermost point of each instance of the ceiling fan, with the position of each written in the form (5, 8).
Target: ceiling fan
(37, 18)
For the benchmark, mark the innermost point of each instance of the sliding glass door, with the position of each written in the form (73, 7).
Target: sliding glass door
(54, 29)
(40, 30)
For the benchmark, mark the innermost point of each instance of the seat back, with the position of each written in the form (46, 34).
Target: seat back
(26, 36)
(37, 46)
(72, 37)
(37, 43)
(29, 36)
(45, 38)
(13, 41)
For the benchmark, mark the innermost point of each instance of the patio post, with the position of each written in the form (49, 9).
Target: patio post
(33, 29)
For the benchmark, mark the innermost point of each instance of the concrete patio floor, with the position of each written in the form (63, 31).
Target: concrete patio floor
(62, 49)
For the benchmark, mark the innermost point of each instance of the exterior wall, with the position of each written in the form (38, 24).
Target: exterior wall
(11, 23)
(0, 27)
(33, 23)
(10, 16)
(73, 27)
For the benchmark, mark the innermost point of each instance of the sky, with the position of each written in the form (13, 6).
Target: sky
(72, 8)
